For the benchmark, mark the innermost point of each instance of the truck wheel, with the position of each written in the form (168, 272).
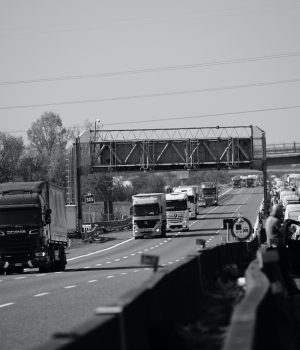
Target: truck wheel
(60, 265)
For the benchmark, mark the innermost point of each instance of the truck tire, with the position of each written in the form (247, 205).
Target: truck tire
(163, 231)
(60, 265)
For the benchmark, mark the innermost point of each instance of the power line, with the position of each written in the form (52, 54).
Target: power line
(150, 70)
(161, 94)
(233, 113)
(209, 115)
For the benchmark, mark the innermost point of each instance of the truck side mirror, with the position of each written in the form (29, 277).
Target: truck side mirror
(48, 216)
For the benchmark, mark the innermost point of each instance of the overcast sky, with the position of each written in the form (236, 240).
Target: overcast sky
(152, 64)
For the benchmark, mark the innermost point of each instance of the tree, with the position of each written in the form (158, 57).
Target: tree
(34, 166)
(48, 144)
(47, 134)
(11, 149)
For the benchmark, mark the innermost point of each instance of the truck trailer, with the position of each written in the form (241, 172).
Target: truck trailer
(33, 228)
(149, 217)
(177, 211)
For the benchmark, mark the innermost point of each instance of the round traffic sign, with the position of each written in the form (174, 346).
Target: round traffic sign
(241, 228)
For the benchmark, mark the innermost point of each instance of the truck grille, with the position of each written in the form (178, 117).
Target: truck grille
(174, 217)
(146, 223)
(18, 247)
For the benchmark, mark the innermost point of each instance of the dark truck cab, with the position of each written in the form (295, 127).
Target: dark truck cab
(33, 230)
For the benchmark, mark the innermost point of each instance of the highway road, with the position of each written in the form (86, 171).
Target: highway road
(34, 306)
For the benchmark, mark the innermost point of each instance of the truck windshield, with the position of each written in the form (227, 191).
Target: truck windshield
(20, 216)
(146, 209)
(176, 205)
(209, 191)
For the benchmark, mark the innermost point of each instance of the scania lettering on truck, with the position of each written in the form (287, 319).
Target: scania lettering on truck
(192, 193)
(177, 211)
(209, 194)
(33, 228)
(149, 215)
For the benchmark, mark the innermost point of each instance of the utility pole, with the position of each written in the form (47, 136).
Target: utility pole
(264, 168)
(78, 183)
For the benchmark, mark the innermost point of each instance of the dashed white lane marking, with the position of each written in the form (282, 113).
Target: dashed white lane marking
(102, 250)
(125, 257)
(92, 281)
(1, 280)
(110, 276)
(58, 272)
(123, 273)
(43, 274)
(40, 294)
(136, 270)
(69, 287)
(133, 254)
(7, 304)
(140, 252)
(87, 267)
(108, 262)
(19, 278)
(117, 259)
(98, 264)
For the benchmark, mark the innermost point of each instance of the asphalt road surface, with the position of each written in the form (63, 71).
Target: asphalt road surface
(34, 306)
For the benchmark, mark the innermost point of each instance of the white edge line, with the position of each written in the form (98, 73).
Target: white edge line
(7, 304)
(102, 250)
(40, 295)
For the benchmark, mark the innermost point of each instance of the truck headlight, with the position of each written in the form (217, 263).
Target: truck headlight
(157, 226)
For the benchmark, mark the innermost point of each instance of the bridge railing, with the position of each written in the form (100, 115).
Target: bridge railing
(278, 148)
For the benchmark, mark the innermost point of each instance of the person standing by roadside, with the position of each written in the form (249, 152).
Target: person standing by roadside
(274, 230)
(276, 239)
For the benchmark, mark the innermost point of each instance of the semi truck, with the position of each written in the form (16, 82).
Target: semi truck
(236, 182)
(209, 194)
(149, 218)
(177, 211)
(250, 182)
(33, 228)
(192, 193)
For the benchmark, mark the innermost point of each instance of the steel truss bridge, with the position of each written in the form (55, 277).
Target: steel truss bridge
(175, 149)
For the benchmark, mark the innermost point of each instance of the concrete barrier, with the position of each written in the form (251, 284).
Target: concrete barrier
(148, 317)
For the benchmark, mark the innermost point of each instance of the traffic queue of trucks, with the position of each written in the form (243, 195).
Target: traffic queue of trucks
(155, 213)
(33, 229)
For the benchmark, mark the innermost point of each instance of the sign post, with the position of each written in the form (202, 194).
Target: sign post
(89, 199)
